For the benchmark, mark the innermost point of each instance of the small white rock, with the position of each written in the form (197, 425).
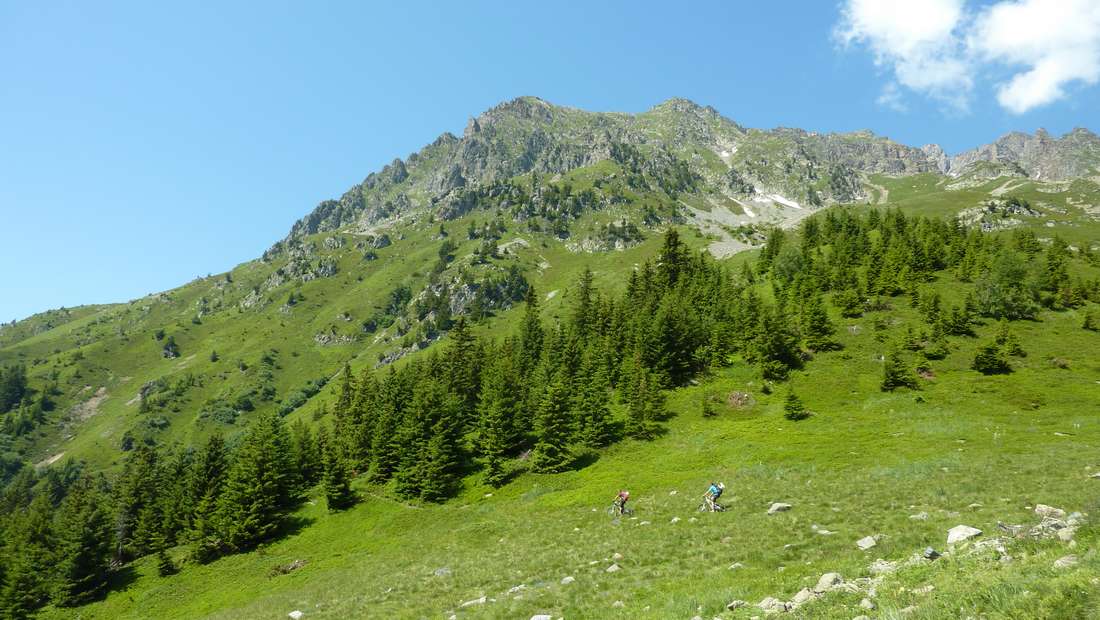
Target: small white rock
(542, 617)
(828, 581)
(675, 520)
(295, 615)
(476, 601)
(778, 507)
(1045, 511)
(920, 516)
(618, 604)
(614, 568)
(959, 533)
(867, 604)
(616, 556)
(568, 579)
(867, 542)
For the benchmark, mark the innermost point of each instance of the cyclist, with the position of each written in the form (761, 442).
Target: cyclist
(620, 501)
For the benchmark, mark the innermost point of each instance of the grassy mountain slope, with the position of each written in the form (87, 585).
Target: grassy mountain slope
(532, 194)
(965, 449)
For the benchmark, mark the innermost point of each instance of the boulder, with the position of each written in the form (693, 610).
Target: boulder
(296, 615)
(778, 507)
(867, 604)
(961, 533)
(1065, 562)
(828, 581)
(772, 604)
(614, 568)
(802, 596)
(867, 542)
(1049, 512)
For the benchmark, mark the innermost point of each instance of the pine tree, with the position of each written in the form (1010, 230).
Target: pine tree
(531, 335)
(84, 543)
(816, 328)
(307, 457)
(551, 453)
(137, 519)
(895, 372)
(1091, 322)
(497, 434)
(165, 565)
(206, 483)
(645, 405)
(335, 477)
(442, 454)
(1007, 341)
(260, 485)
(775, 347)
(30, 560)
(793, 409)
(991, 360)
(591, 411)
(464, 370)
(583, 305)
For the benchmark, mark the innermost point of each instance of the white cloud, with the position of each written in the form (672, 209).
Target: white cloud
(915, 39)
(891, 98)
(1058, 40)
(938, 48)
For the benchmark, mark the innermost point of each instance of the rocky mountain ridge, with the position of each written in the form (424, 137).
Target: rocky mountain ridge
(528, 135)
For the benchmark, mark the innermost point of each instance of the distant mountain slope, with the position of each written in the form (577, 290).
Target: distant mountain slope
(1041, 156)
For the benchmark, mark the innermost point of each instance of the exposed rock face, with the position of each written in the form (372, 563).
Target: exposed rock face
(1040, 155)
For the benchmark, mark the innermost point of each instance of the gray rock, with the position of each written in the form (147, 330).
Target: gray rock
(542, 617)
(736, 566)
(735, 604)
(772, 604)
(296, 615)
(1066, 534)
(568, 579)
(867, 604)
(1049, 512)
(614, 568)
(442, 572)
(867, 542)
(924, 589)
(961, 533)
(803, 595)
(828, 581)
(778, 507)
(1065, 562)
(931, 554)
(920, 516)
(618, 604)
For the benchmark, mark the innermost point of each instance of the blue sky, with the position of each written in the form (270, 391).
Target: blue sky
(146, 144)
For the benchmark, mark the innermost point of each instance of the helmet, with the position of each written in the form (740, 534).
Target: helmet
(722, 486)
(626, 493)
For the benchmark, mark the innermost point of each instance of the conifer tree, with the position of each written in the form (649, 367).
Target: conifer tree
(83, 539)
(816, 328)
(990, 359)
(775, 347)
(306, 456)
(551, 453)
(895, 372)
(645, 406)
(793, 409)
(531, 334)
(591, 411)
(583, 309)
(442, 455)
(260, 485)
(335, 477)
(30, 560)
(497, 434)
(206, 484)
(137, 520)
(464, 370)
(1007, 341)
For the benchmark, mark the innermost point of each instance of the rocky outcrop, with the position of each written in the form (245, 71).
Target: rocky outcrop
(1040, 155)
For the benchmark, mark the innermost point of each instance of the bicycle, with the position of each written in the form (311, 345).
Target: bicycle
(614, 510)
(709, 505)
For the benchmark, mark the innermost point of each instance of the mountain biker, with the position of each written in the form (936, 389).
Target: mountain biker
(714, 491)
(620, 501)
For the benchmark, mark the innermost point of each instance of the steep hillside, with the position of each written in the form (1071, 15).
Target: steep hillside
(515, 323)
